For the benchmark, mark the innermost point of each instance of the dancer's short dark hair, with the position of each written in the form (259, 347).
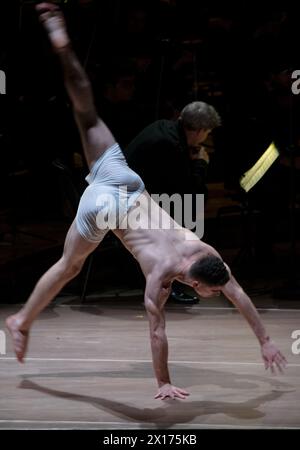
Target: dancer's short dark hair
(210, 270)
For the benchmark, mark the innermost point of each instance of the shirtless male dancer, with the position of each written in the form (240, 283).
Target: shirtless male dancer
(164, 255)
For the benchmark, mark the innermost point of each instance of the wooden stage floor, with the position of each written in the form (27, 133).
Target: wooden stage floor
(90, 367)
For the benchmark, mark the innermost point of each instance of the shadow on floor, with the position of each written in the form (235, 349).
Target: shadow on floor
(171, 413)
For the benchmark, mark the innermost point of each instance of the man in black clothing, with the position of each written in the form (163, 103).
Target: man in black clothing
(170, 158)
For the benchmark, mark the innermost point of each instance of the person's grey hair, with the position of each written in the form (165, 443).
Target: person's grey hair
(199, 115)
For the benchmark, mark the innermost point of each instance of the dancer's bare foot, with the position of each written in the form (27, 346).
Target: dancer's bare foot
(19, 336)
(54, 23)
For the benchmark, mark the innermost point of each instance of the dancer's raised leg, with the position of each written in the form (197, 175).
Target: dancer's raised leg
(95, 135)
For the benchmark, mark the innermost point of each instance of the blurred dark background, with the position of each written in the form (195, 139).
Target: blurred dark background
(146, 61)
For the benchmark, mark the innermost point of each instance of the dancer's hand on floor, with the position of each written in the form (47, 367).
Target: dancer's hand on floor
(169, 391)
(273, 357)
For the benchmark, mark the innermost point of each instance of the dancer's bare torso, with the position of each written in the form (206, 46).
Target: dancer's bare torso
(159, 244)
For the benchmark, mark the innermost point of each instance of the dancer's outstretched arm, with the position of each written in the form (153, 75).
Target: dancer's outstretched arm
(271, 355)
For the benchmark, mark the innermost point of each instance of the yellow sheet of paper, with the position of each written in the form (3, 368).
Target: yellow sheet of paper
(253, 175)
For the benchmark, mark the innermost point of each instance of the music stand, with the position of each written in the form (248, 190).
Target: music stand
(290, 290)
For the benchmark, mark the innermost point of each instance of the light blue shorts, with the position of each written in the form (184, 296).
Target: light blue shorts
(112, 191)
